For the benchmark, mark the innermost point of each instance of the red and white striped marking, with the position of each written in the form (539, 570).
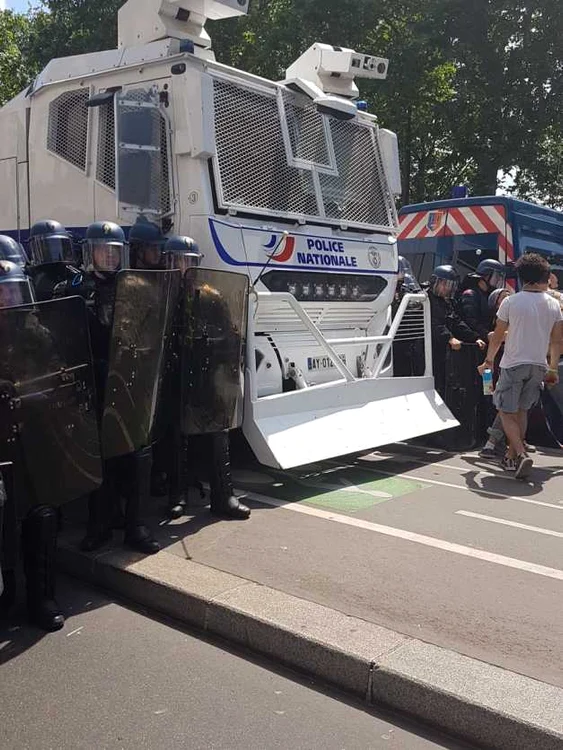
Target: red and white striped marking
(462, 220)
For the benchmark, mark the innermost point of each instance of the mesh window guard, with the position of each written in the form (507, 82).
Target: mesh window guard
(105, 166)
(289, 160)
(67, 130)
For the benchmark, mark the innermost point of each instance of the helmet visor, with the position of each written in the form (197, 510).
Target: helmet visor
(107, 257)
(496, 280)
(148, 255)
(182, 261)
(445, 287)
(51, 249)
(411, 284)
(15, 292)
(14, 254)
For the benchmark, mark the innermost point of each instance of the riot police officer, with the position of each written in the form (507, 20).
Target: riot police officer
(205, 314)
(53, 261)
(12, 251)
(181, 253)
(448, 330)
(39, 527)
(127, 475)
(171, 454)
(146, 245)
(473, 297)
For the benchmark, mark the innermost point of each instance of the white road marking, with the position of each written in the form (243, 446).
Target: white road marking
(345, 486)
(504, 522)
(449, 484)
(388, 456)
(411, 536)
(349, 487)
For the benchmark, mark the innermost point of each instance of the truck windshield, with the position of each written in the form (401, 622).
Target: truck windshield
(462, 250)
(277, 156)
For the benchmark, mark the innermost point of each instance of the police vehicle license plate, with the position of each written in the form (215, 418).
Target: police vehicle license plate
(322, 363)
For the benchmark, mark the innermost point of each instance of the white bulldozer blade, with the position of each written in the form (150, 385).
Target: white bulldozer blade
(325, 421)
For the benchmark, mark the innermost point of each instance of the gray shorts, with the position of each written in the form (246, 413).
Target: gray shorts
(518, 388)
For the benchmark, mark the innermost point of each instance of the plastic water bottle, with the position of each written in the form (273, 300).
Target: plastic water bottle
(488, 382)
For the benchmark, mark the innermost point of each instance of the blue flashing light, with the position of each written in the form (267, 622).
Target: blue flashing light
(186, 45)
(460, 191)
(362, 105)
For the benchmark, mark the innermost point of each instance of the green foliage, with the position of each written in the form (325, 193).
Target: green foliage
(474, 86)
(73, 27)
(16, 70)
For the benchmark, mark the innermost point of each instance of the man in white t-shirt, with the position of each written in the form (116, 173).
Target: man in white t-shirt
(531, 324)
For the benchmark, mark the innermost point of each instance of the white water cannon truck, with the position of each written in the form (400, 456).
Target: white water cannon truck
(290, 182)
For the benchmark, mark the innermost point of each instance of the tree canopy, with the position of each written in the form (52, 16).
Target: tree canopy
(474, 86)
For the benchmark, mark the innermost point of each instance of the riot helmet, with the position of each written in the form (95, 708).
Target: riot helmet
(497, 296)
(406, 278)
(105, 249)
(15, 286)
(146, 244)
(49, 242)
(12, 251)
(492, 272)
(181, 253)
(444, 281)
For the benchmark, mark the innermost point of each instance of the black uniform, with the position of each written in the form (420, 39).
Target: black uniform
(473, 301)
(50, 280)
(211, 324)
(473, 305)
(446, 324)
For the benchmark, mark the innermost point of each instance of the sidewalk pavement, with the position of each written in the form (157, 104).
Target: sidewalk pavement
(479, 702)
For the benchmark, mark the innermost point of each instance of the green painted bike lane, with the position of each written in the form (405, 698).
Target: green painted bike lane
(346, 489)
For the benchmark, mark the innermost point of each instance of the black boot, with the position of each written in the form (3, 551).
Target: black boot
(176, 507)
(39, 546)
(137, 535)
(224, 503)
(98, 531)
(178, 477)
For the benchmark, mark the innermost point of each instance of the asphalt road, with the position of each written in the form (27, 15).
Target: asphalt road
(116, 678)
(445, 548)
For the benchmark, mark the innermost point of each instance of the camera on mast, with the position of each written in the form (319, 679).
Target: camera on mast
(145, 21)
(333, 69)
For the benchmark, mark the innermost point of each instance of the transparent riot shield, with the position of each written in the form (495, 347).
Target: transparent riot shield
(144, 305)
(214, 337)
(48, 424)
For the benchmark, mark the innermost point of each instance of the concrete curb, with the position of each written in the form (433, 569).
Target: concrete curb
(476, 701)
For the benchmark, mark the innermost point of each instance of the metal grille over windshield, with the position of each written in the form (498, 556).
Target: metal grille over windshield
(277, 155)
